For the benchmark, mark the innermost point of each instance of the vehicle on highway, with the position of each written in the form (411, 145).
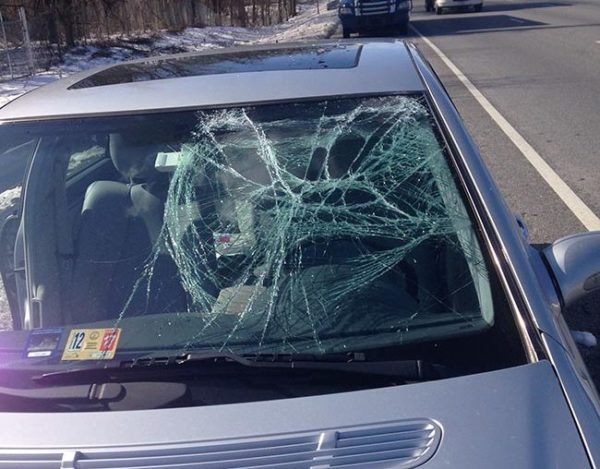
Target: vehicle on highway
(439, 6)
(279, 256)
(358, 16)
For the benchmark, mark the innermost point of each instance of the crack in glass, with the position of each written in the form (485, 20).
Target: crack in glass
(321, 226)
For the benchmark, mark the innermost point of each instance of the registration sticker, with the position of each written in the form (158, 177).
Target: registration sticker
(91, 344)
(42, 342)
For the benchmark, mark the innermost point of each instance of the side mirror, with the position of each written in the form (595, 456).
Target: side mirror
(575, 263)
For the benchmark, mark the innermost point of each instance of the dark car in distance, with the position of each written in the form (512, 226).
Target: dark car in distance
(359, 16)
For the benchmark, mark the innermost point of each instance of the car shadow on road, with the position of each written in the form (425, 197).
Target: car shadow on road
(441, 26)
(500, 7)
(503, 8)
(477, 24)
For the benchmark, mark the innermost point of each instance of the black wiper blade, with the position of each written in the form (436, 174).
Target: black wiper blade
(207, 362)
(174, 364)
(417, 370)
(108, 371)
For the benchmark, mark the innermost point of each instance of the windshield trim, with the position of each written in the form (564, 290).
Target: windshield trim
(486, 228)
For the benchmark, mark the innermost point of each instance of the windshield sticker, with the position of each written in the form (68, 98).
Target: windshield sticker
(91, 344)
(43, 343)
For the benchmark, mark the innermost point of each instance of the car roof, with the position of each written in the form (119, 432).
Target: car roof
(223, 77)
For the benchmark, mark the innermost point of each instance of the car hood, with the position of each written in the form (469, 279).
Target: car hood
(516, 417)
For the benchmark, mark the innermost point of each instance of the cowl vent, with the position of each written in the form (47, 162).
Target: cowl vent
(402, 444)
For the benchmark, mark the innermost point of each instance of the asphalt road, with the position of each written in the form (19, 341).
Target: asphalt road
(538, 63)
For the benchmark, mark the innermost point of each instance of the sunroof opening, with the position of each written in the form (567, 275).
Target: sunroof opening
(335, 56)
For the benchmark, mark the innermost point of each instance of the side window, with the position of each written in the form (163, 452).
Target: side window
(15, 153)
(87, 160)
(84, 159)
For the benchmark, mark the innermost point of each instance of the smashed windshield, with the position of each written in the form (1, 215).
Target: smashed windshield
(302, 227)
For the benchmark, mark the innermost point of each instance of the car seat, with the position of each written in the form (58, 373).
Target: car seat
(117, 236)
(348, 158)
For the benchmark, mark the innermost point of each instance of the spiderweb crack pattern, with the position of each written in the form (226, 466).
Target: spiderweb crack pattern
(316, 224)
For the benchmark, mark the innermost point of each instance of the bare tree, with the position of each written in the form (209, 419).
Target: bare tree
(65, 22)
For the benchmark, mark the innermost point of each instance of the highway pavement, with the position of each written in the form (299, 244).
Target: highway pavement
(538, 65)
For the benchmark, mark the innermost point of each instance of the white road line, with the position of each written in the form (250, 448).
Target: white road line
(585, 215)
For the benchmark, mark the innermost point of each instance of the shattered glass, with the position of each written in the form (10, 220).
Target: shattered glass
(319, 226)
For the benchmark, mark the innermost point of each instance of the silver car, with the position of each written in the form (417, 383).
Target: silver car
(282, 256)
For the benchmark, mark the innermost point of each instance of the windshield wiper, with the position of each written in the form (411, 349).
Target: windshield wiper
(348, 363)
(208, 362)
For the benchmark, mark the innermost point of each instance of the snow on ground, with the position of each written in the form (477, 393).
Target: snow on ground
(308, 24)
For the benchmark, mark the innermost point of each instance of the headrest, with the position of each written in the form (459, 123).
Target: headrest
(343, 157)
(134, 154)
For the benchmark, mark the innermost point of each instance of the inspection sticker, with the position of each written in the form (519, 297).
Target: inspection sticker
(42, 342)
(91, 344)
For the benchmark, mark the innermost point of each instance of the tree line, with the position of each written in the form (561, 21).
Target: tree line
(66, 22)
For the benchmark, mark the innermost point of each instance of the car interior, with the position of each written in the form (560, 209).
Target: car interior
(112, 232)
